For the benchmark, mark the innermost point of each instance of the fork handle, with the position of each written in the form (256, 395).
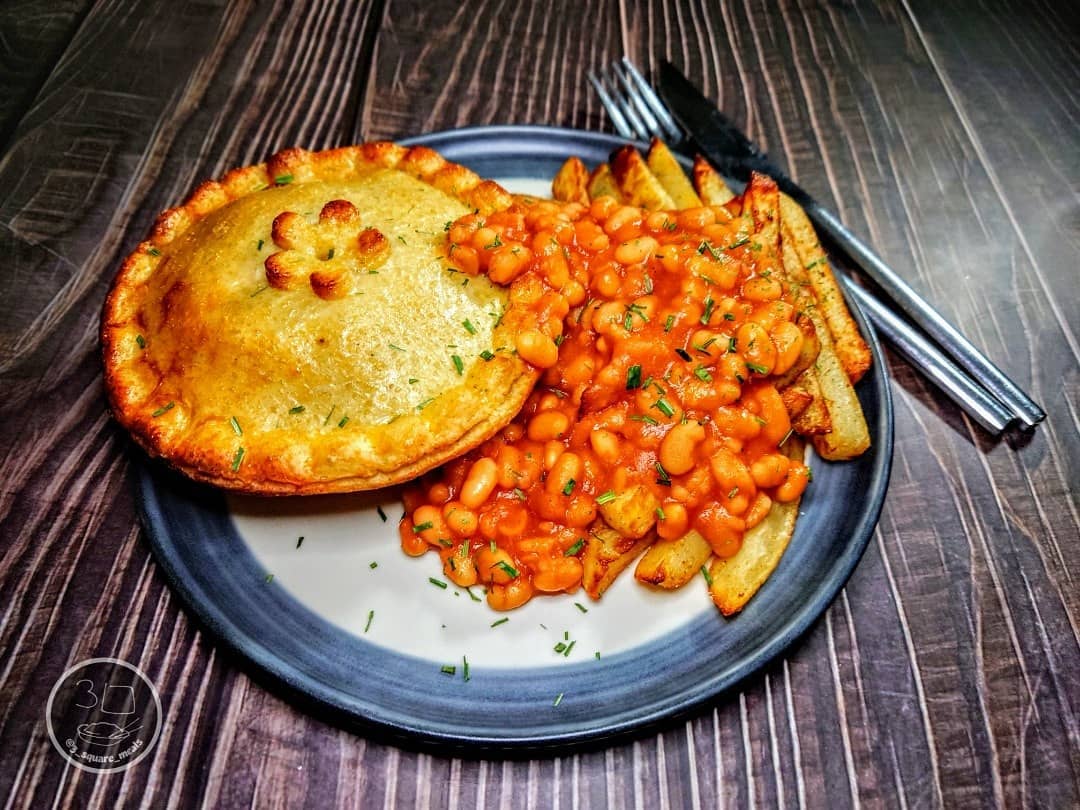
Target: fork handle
(951, 341)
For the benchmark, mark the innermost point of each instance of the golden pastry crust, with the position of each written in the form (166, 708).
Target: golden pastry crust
(295, 327)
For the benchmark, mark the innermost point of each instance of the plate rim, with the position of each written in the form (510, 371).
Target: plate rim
(318, 698)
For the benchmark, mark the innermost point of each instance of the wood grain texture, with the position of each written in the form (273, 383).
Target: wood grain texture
(947, 673)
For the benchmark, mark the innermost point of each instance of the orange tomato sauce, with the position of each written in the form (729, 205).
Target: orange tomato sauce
(658, 334)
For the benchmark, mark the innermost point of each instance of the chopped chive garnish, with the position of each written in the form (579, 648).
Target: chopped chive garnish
(732, 344)
(606, 497)
(326, 421)
(300, 541)
(153, 251)
(448, 669)
(343, 422)
(684, 354)
(395, 348)
(744, 241)
(472, 595)
(705, 573)
(733, 493)
(660, 514)
(729, 316)
(756, 367)
(422, 527)
(558, 699)
(425, 403)
(644, 417)
(519, 493)
(465, 667)
(370, 616)
(402, 239)
(259, 245)
(438, 583)
(669, 322)
(237, 459)
(486, 354)
(495, 244)
(141, 341)
(330, 254)
(236, 426)
(413, 380)
(569, 647)
(597, 654)
(296, 409)
(373, 565)
(709, 304)
(269, 577)
(574, 549)
(560, 648)
(815, 263)
(459, 364)
(468, 326)
(704, 347)
(164, 409)
(664, 407)
(633, 377)
(568, 487)
(503, 620)
(382, 514)
(507, 568)
(703, 374)
(581, 607)
(261, 289)
(283, 179)
(662, 476)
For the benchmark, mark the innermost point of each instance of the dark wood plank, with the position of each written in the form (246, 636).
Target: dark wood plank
(945, 673)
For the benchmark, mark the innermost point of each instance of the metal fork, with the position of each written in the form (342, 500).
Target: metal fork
(638, 113)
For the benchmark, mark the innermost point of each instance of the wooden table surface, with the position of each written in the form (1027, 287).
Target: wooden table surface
(946, 673)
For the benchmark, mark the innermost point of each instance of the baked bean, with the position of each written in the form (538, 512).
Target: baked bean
(758, 510)
(762, 288)
(788, 339)
(536, 348)
(621, 217)
(730, 473)
(723, 530)
(548, 425)
(565, 474)
(479, 483)
(636, 250)
(675, 522)
(460, 568)
(678, 446)
(795, 483)
(429, 525)
(756, 347)
(558, 574)
(581, 512)
(508, 597)
(769, 470)
(496, 565)
(461, 520)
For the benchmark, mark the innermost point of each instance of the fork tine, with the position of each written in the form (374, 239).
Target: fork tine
(655, 106)
(613, 110)
(619, 107)
(633, 99)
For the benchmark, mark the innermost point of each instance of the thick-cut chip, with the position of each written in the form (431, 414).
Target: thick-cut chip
(636, 182)
(602, 184)
(607, 554)
(670, 564)
(734, 580)
(671, 176)
(853, 351)
(710, 186)
(570, 182)
(288, 329)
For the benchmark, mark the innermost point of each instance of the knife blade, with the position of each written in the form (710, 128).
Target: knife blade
(734, 154)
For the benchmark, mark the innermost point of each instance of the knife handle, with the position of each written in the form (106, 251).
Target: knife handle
(951, 341)
(926, 357)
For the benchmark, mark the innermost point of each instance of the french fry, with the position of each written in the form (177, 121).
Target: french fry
(570, 183)
(670, 564)
(602, 184)
(636, 182)
(671, 176)
(632, 512)
(851, 349)
(814, 418)
(607, 554)
(710, 186)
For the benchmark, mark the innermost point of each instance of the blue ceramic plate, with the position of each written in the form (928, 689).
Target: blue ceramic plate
(353, 630)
